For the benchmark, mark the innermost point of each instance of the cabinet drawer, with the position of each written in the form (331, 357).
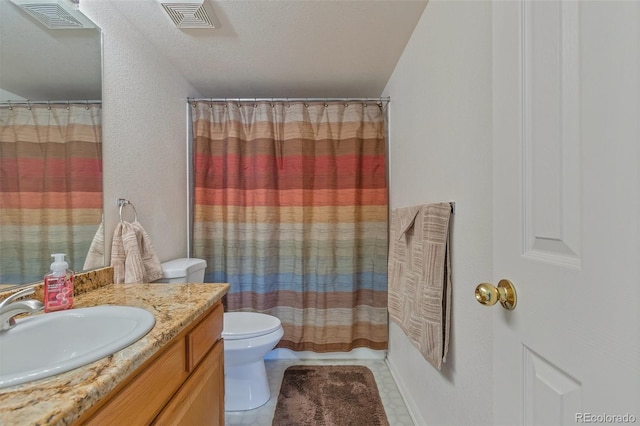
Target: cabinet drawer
(140, 401)
(203, 337)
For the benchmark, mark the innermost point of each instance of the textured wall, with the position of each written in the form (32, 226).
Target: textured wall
(144, 130)
(441, 151)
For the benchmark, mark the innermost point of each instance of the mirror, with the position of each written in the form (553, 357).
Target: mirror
(45, 66)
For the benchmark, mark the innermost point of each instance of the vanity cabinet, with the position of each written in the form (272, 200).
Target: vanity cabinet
(183, 384)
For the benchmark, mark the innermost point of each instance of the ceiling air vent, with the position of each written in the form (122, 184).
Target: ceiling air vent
(55, 14)
(190, 14)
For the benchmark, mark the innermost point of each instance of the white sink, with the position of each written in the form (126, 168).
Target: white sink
(42, 346)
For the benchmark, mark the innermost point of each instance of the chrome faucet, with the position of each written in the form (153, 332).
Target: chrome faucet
(9, 308)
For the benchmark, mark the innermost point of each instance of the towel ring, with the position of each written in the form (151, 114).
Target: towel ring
(124, 202)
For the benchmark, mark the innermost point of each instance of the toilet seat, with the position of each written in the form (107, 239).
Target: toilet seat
(245, 325)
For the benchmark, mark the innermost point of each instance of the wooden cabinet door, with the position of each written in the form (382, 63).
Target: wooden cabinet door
(140, 400)
(201, 400)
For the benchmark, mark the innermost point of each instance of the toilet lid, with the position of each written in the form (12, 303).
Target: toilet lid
(244, 325)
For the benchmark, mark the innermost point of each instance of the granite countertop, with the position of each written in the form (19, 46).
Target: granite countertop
(61, 399)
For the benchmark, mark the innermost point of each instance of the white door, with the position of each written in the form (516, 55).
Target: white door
(567, 211)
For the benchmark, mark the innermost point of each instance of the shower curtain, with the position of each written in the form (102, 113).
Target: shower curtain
(290, 208)
(50, 186)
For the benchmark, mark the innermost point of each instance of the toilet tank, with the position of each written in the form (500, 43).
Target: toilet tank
(185, 270)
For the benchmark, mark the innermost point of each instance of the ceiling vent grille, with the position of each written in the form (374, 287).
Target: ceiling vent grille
(190, 15)
(54, 14)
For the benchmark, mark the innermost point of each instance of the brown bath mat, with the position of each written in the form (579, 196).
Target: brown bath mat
(329, 395)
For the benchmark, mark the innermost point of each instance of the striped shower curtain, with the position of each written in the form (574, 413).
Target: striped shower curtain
(290, 208)
(50, 187)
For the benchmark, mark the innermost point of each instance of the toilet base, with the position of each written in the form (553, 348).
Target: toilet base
(245, 386)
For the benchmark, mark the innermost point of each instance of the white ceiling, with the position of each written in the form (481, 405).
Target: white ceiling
(274, 48)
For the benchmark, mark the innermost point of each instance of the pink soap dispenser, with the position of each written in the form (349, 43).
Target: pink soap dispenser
(58, 285)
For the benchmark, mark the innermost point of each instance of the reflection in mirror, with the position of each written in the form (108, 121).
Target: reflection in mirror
(50, 140)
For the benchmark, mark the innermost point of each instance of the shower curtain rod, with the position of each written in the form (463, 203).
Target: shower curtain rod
(22, 103)
(382, 99)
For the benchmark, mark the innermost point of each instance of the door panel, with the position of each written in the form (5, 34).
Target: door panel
(550, 100)
(550, 395)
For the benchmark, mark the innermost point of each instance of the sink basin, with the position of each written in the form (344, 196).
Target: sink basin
(42, 346)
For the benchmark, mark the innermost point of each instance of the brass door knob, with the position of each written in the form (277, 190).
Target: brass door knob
(505, 293)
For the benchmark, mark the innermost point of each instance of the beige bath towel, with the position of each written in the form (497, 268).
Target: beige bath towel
(420, 277)
(132, 256)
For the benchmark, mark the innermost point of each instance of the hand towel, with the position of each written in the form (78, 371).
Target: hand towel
(420, 277)
(95, 255)
(132, 255)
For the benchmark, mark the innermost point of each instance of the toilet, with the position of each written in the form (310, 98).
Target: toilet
(248, 338)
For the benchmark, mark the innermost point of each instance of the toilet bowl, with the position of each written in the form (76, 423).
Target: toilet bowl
(248, 337)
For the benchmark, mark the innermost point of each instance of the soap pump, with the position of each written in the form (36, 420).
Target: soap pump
(58, 285)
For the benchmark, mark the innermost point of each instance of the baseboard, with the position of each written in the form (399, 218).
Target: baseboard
(358, 353)
(409, 402)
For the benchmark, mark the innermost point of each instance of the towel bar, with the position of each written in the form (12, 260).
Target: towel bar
(124, 202)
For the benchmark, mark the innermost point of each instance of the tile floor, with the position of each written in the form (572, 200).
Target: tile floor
(394, 406)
